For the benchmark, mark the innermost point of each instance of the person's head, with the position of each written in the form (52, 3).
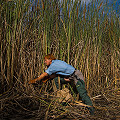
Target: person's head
(48, 59)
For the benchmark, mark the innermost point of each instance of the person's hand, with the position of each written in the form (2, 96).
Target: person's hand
(66, 79)
(44, 81)
(32, 81)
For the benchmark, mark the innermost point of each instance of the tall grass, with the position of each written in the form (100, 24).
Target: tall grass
(82, 35)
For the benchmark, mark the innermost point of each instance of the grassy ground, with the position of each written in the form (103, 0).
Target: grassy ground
(36, 104)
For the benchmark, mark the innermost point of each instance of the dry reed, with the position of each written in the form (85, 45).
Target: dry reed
(82, 35)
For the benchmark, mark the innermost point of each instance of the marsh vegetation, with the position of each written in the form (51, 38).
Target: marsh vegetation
(85, 36)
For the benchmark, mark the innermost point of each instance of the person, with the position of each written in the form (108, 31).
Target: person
(67, 73)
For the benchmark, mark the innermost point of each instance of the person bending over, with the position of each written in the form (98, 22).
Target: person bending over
(67, 73)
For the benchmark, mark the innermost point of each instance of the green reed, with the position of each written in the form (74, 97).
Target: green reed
(82, 35)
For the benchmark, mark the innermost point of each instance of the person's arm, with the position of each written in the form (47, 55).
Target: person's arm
(48, 78)
(67, 79)
(42, 76)
(53, 76)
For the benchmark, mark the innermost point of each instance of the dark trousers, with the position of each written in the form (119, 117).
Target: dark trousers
(84, 96)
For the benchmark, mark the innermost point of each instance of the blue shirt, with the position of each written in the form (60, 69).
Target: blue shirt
(60, 67)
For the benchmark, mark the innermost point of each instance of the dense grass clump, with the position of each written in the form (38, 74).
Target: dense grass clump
(86, 36)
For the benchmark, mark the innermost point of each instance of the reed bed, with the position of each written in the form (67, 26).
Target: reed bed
(85, 36)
